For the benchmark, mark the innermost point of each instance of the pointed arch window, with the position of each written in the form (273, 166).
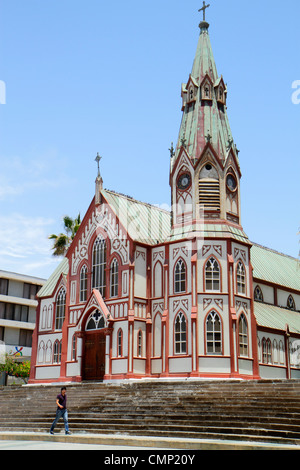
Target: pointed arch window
(258, 295)
(74, 342)
(209, 189)
(180, 334)
(213, 334)
(99, 265)
(95, 322)
(243, 336)
(83, 284)
(114, 278)
(180, 277)
(212, 275)
(60, 309)
(57, 352)
(291, 303)
(267, 351)
(140, 343)
(120, 342)
(241, 278)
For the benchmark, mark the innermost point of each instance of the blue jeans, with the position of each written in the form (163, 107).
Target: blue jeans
(61, 414)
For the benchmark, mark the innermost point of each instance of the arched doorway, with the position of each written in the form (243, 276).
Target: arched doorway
(94, 347)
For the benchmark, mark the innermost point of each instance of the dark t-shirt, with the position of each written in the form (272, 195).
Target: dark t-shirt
(62, 401)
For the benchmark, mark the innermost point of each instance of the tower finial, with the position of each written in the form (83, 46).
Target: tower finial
(203, 9)
(98, 159)
(204, 25)
(99, 182)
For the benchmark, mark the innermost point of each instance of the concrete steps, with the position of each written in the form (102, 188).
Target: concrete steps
(265, 411)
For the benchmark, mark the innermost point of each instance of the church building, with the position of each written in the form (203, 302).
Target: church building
(145, 293)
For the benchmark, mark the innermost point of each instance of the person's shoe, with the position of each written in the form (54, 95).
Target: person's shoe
(52, 433)
(68, 433)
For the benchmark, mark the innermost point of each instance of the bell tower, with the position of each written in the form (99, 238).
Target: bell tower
(205, 172)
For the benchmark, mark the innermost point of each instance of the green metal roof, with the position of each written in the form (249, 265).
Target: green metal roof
(270, 316)
(144, 223)
(209, 231)
(274, 267)
(49, 286)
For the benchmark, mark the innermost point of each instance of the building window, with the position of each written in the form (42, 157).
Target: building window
(213, 334)
(57, 352)
(60, 309)
(212, 275)
(180, 334)
(140, 343)
(74, 348)
(95, 321)
(30, 291)
(243, 336)
(180, 277)
(114, 278)
(83, 284)
(3, 286)
(99, 265)
(191, 93)
(120, 343)
(1, 333)
(25, 338)
(267, 351)
(241, 279)
(258, 295)
(291, 303)
(209, 189)
(14, 312)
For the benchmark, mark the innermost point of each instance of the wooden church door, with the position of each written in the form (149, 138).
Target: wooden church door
(94, 349)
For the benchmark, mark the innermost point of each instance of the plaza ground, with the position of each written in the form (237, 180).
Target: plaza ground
(77, 441)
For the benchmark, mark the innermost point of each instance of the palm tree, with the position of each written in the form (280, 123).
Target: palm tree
(64, 240)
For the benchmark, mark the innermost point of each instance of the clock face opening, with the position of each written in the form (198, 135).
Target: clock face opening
(231, 183)
(184, 181)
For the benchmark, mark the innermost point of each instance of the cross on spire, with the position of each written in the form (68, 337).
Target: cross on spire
(98, 159)
(203, 9)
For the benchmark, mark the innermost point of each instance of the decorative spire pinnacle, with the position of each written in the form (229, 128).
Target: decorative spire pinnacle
(172, 151)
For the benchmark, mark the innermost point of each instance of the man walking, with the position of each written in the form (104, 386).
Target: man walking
(61, 412)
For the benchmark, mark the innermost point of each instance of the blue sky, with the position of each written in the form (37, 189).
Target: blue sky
(91, 76)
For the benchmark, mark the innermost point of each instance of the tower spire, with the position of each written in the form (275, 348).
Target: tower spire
(205, 152)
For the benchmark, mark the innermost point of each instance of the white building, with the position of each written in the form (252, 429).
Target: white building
(18, 304)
